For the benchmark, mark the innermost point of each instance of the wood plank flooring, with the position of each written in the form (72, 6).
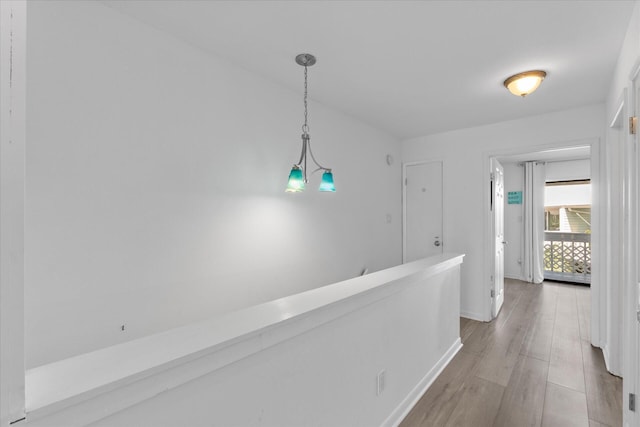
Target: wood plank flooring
(532, 366)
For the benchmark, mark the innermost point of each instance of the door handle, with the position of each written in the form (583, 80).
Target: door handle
(504, 242)
(437, 243)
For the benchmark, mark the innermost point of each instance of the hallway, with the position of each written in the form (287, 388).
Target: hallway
(531, 366)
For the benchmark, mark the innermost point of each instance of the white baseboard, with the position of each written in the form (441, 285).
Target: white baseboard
(605, 353)
(412, 398)
(607, 362)
(473, 316)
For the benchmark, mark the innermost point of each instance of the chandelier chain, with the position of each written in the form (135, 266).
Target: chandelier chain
(305, 128)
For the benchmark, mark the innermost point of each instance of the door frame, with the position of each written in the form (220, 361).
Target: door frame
(631, 251)
(404, 202)
(13, 32)
(596, 236)
(616, 245)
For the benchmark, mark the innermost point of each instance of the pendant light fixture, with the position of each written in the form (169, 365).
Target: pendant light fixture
(522, 84)
(298, 176)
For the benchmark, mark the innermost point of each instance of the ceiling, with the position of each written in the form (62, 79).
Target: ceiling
(411, 68)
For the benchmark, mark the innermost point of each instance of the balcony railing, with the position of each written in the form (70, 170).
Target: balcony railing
(567, 256)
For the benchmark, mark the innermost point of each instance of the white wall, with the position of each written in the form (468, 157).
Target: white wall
(12, 180)
(629, 53)
(465, 152)
(155, 185)
(618, 336)
(323, 377)
(513, 225)
(307, 359)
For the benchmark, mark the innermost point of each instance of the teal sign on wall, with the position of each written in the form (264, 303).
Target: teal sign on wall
(514, 197)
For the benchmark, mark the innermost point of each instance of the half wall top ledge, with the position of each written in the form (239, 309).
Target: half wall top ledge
(141, 369)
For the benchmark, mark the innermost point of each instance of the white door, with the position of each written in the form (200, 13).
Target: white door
(497, 211)
(422, 210)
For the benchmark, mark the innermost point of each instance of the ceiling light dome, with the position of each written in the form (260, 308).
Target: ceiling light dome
(522, 84)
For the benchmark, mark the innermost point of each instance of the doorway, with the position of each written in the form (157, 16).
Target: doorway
(513, 258)
(422, 222)
(567, 230)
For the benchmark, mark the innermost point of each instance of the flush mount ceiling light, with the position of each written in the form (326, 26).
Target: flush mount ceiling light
(298, 174)
(522, 84)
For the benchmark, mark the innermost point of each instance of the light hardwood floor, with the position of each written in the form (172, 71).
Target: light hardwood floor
(532, 366)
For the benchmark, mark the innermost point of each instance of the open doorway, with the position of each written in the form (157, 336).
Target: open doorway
(575, 162)
(567, 232)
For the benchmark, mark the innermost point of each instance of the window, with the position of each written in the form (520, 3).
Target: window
(567, 206)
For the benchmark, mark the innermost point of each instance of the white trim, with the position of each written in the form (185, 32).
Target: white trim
(12, 180)
(423, 385)
(635, 69)
(614, 246)
(473, 316)
(630, 251)
(598, 244)
(620, 103)
(489, 261)
(605, 354)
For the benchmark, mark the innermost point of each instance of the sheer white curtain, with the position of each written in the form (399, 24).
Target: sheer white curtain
(534, 181)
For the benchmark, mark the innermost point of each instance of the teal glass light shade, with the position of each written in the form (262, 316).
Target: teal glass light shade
(296, 180)
(327, 182)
